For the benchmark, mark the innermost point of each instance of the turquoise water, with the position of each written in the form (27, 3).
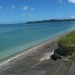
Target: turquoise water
(17, 37)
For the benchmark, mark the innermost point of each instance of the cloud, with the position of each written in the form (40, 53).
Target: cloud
(73, 16)
(71, 1)
(26, 15)
(31, 9)
(25, 8)
(13, 6)
(23, 14)
(1, 7)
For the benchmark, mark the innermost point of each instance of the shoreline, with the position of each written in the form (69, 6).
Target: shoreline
(7, 60)
(28, 51)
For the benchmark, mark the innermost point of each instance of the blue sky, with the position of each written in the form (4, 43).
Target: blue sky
(18, 11)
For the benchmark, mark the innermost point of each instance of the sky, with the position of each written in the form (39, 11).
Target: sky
(20, 11)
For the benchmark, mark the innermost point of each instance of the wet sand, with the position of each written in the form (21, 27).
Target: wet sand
(37, 61)
(34, 61)
(26, 62)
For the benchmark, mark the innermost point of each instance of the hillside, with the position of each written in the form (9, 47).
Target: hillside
(66, 46)
(52, 20)
(68, 39)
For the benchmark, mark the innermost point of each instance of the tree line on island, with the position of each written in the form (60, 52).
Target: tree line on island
(52, 20)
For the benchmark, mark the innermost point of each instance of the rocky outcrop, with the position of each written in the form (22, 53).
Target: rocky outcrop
(66, 49)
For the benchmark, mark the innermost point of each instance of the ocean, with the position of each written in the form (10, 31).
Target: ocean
(18, 37)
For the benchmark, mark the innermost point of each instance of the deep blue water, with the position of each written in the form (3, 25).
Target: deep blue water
(17, 37)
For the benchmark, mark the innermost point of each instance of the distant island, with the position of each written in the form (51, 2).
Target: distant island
(52, 20)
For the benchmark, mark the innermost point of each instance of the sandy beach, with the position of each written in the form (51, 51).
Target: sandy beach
(34, 61)
(40, 52)
(32, 49)
(36, 37)
(29, 51)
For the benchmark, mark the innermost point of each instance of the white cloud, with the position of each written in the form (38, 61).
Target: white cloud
(1, 7)
(31, 9)
(13, 6)
(24, 8)
(23, 14)
(72, 1)
(73, 16)
(26, 15)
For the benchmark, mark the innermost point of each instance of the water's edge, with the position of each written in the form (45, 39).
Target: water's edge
(26, 51)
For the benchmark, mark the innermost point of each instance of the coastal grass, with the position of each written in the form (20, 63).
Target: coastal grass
(68, 39)
(67, 45)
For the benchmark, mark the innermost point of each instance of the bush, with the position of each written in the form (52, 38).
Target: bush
(67, 44)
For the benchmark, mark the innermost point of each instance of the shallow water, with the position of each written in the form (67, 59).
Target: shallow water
(17, 37)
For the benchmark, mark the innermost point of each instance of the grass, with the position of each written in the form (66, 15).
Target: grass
(66, 45)
(68, 39)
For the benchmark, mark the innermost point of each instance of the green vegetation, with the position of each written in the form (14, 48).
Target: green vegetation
(68, 39)
(52, 20)
(67, 45)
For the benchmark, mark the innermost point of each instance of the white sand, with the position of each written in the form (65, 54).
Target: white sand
(46, 56)
(24, 53)
(29, 51)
